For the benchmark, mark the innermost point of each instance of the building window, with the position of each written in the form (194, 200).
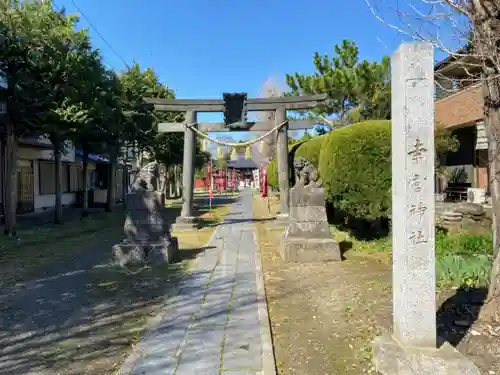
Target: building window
(46, 177)
(75, 178)
(65, 177)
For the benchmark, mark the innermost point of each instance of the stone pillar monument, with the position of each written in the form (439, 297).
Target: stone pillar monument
(186, 221)
(413, 348)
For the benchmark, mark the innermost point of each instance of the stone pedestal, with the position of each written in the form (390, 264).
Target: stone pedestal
(127, 252)
(393, 358)
(307, 237)
(283, 218)
(184, 224)
(280, 223)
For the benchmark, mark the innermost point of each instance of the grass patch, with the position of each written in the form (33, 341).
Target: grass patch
(52, 232)
(215, 217)
(462, 259)
(35, 249)
(379, 246)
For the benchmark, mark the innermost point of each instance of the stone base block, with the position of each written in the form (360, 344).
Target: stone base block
(303, 250)
(129, 254)
(391, 358)
(280, 223)
(164, 254)
(184, 224)
(126, 254)
(283, 217)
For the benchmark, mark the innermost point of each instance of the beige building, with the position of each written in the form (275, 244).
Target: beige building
(459, 107)
(36, 177)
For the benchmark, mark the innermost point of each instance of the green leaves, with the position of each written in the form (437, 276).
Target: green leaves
(351, 85)
(48, 66)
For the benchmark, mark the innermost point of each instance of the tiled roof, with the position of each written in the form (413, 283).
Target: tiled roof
(242, 164)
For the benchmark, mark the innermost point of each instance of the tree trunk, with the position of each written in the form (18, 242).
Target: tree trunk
(170, 182)
(111, 196)
(10, 199)
(125, 181)
(58, 182)
(2, 179)
(491, 93)
(178, 181)
(85, 183)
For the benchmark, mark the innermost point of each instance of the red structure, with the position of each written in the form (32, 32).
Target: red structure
(224, 180)
(261, 187)
(229, 177)
(201, 183)
(209, 173)
(232, 179)
(263, 181)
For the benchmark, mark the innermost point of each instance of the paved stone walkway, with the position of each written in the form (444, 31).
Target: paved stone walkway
(217, 323)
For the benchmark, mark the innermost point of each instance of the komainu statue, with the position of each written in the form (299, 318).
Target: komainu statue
(147, 235)
(306, 174)
(147, 178)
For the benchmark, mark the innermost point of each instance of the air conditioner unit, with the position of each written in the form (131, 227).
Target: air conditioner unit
(476, 195)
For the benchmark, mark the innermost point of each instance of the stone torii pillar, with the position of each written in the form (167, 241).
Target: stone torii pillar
(283, 167)
(187, 221)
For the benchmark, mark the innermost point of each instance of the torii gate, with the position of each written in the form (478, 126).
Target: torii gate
(235, 107)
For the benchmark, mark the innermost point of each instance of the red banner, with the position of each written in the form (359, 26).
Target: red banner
(260, 179)
(231, 179)
(264, 182)
(209, 173)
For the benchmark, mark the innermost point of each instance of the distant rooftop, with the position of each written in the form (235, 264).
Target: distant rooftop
(242, 164)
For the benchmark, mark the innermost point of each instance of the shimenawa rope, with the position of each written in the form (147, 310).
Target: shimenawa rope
(232, 145)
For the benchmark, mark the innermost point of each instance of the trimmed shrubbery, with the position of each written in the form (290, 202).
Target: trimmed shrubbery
(355, 167)
(354, 163)
(272, 173)
(311, 149)
(306, 149)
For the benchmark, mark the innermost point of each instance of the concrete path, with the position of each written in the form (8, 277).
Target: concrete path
(218, 322)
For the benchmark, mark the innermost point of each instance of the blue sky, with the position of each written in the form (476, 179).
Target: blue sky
(202, 48)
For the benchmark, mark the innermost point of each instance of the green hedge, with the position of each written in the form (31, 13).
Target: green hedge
(355, 167)
(311, 149)
(272, 173)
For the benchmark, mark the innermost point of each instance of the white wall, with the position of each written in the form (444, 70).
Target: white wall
(28, 154)
(32, 153)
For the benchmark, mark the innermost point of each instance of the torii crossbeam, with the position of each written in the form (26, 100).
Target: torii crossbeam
(236, 108)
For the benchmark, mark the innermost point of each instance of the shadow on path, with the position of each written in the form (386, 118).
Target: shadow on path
(457, 313)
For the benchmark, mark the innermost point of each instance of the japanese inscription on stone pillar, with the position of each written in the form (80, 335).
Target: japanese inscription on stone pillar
(419, 162)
